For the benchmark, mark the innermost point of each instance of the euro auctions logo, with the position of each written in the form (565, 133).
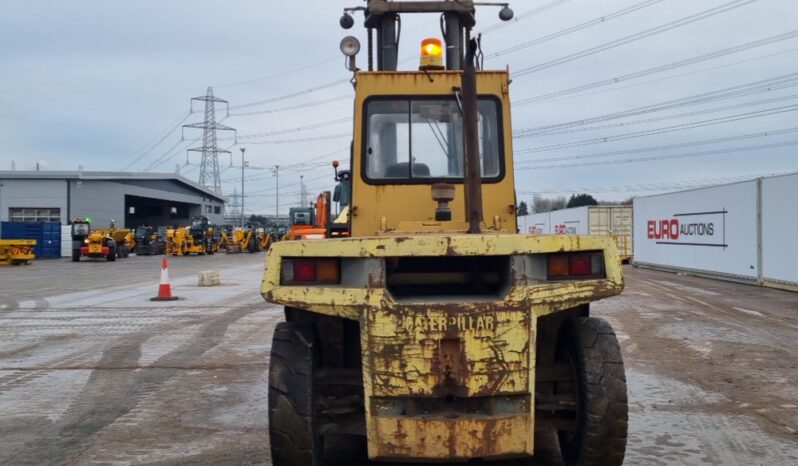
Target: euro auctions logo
(690, 229)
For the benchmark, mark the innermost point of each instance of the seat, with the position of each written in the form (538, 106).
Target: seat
(401, 170)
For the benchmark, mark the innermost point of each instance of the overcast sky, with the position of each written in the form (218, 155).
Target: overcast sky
(101, 84)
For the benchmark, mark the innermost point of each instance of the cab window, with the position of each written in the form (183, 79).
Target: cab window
(420, 140)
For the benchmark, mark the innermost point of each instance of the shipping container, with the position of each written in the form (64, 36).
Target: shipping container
(46, 234)
(779, 226)
(66, 240)
(707, 230)
(742, 231)
(615, 221)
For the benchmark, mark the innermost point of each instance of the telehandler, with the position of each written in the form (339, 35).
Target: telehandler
(436, 332)
(91, 243)
(124, 238)
(148, 241)
(193, 239)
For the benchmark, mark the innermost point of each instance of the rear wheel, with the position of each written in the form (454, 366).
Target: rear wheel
(252, 246)
(111, 257)
(76, 255)
(597, 436)
(292, 423)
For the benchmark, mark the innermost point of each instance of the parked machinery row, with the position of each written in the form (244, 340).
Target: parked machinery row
(199, 238)
(253, 237)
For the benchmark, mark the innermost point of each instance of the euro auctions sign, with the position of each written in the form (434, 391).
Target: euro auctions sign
(707, 229)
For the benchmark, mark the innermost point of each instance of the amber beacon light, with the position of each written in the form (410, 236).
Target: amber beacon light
(431, 54)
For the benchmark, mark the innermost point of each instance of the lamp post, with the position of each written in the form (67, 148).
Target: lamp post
(243, 165)
(277, 191)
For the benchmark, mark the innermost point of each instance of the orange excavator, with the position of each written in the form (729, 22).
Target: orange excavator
(310, 222)
(317, 221)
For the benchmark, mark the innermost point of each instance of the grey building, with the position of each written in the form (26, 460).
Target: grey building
(131, 199)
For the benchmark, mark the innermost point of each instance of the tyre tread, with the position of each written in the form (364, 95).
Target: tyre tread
(290, 396)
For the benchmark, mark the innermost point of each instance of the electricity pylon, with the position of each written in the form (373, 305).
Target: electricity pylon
(209, 166)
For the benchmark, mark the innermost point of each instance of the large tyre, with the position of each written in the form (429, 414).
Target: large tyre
(589, 346)
(292, 429)
(76, 255)
(111, 257)
(252, 246)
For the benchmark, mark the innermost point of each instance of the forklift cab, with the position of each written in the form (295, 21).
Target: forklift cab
(199, 228)
(80, 230)
(144, 234)
(343, 190)
(301, 216)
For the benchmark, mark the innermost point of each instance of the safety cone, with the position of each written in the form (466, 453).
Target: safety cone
(164, 288)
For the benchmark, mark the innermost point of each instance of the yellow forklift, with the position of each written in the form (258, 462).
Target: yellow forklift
(436, 332)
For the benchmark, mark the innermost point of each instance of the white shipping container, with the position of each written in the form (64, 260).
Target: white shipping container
(779, 227)
(569, 221)
(538, 224)
(706, 230)
(589, 220)
(66, 240)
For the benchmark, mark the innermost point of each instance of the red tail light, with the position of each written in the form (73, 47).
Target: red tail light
(576, 265)
(310, 271)
(579, 264)
(304, 271)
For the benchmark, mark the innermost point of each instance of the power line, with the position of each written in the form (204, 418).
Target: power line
(663, 147)
(298, 129)
(297, 140)
(291, 95)
(665, 157)
(594, 22)
(280, 74)
(159, 140)
(623, 124)
(525, 15)
(764, 85)
(666, 129)
(297, 106)
(635, 37)
(163, 158)
(658, 69)
(650, 187)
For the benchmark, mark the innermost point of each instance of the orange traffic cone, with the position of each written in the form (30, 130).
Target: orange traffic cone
(164, 288)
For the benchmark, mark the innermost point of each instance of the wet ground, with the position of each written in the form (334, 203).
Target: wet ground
(92, 372)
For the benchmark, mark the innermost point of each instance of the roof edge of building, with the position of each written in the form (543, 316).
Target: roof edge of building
(99, 175)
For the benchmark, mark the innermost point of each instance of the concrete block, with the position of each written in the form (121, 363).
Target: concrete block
(209, 278)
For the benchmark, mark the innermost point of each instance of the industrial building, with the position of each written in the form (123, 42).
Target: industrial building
(131, 199)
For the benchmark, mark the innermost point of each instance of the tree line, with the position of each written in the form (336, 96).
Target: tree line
(542, 204)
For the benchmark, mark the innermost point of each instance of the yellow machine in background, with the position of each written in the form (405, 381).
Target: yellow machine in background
(436, 333)
(264, 239)
(124, 238)
(252, 238)
(16, 251)
(194, 239)
(234, 241)
(215, 237)
(91, 243)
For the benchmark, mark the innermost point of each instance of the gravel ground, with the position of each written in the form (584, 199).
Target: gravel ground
(92, 372)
